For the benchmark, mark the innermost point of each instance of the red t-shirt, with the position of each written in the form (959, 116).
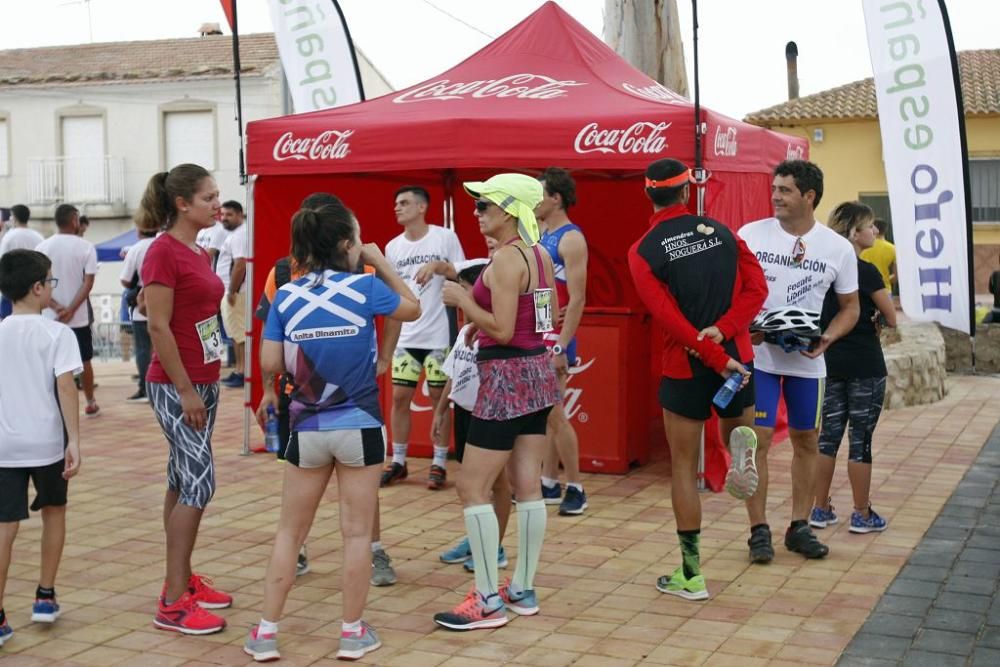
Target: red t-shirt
(197, 295)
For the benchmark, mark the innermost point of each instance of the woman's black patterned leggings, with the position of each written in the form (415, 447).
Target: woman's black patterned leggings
(858, 401)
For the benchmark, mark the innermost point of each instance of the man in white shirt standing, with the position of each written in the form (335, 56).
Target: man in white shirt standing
(74, 266)
(131, 280)
(421, 255)
(802, 259)
(18, 237)
(232, 268)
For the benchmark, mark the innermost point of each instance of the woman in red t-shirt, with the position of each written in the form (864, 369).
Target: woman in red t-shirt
(182, 296)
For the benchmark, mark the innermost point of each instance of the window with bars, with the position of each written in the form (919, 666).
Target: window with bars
(985, 180)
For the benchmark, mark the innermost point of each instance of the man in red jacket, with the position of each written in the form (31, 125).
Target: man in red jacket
(703, 286)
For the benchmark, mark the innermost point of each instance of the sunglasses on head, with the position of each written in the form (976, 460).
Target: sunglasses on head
(482, 205)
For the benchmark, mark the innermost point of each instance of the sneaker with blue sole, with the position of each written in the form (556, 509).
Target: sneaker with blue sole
(873, 523)
(821, 518)
(470, 565)
(574, 502)
(45, 611)
(458, 553)
(552, 495)
(522, 603)
(5, 632)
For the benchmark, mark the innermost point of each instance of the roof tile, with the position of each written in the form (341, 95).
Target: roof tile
(979, 71)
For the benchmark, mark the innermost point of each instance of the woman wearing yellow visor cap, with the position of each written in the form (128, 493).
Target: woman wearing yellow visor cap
(512, 304)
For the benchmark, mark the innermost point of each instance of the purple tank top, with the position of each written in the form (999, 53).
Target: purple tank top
(525, 337)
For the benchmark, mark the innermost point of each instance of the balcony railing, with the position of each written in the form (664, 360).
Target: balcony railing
(76, 180)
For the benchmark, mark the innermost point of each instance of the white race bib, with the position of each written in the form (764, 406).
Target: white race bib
(543, 310)
(211, 339)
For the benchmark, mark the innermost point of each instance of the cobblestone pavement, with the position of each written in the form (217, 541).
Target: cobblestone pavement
(942, 609)
(599, 606)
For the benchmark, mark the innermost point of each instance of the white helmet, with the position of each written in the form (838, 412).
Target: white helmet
(786, 319)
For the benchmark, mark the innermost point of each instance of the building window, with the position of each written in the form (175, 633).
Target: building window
(189, 136)
(985, 178)
(4, 147)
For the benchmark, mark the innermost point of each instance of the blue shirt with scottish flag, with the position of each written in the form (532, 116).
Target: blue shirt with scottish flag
(326, 323)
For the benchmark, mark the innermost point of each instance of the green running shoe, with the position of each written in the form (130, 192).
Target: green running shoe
(689, 589)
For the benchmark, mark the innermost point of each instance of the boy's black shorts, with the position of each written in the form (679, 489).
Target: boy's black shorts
(50, 490)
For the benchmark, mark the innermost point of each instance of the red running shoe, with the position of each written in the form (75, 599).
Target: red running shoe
(206, 596)
(474, 612)
(186, 617)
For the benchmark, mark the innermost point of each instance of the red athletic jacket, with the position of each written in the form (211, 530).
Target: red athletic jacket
(693, 272)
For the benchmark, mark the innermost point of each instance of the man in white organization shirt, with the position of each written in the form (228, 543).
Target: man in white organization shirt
(802, 259)
(74, 266)
(422, 255)
(18, 237)
(232, 267)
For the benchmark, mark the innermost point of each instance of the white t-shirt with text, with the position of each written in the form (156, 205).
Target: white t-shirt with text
(20, 238)
(460, 365)
(72, 258)
(34, 351)
(829, 260)
(238, 249)
(430, 332)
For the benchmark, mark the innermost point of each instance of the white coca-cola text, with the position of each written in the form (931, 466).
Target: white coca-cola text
(522, 86)
(656, 92)
(571, 398)
(328, 145)
(640, 137)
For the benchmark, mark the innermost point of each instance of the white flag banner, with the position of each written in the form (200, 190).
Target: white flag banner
(923, 148)
(316, 53)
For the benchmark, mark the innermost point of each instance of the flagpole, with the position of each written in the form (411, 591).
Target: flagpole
(239, 90)
(354, 53)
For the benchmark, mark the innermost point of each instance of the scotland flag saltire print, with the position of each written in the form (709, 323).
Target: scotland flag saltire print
(325, 323)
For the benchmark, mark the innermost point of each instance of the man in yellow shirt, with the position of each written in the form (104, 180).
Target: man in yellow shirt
(883, 256)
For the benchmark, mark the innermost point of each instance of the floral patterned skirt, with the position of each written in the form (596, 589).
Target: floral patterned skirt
(515, 386)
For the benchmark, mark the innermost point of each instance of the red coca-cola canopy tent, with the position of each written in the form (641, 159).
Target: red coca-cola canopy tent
(547, 92)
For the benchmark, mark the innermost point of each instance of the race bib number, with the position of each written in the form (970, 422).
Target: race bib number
(211, 339)
(543, 310)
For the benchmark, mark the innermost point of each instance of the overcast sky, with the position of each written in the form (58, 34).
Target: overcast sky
(741, 42)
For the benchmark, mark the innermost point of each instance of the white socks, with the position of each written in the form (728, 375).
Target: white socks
(350, 628)
(549, 483)
(267, 628)
(376, 546)
(399, 452)
(440, 456)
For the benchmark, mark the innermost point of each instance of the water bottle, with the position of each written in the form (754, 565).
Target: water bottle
(271, 430)
(728, 390)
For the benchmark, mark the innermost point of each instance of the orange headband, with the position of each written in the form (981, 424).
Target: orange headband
(672, 182)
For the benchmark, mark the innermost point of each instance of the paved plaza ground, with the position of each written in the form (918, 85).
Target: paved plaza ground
(599, 605)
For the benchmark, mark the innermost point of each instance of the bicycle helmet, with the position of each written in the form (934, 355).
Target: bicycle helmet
(790, 328)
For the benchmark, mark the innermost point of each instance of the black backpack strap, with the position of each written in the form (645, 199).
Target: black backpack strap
(282, 272)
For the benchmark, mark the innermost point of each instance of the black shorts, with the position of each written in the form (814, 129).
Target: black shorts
(500, 435)
(692, 397)
(460, 421)
(50, 490)
(85, 341)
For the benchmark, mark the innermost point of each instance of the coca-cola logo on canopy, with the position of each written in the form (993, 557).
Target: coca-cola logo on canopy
(521, 86)
(640, 137)
(656, 92)
(328, 145)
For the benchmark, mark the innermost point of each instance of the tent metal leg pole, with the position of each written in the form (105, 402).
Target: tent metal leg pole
(248, 325)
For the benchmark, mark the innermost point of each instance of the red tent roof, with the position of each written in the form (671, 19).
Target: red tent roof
(546, 92)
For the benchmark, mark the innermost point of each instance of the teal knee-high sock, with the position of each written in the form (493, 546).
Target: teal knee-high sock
(484, 540)
(691, 558)
(531, 519)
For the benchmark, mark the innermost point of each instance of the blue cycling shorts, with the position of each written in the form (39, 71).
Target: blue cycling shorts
(803, 398)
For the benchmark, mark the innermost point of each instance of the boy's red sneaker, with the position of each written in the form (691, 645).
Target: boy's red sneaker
(206, 596)
(186, 617)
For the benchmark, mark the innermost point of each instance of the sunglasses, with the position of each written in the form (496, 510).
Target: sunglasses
(482, 205)
(798, 251)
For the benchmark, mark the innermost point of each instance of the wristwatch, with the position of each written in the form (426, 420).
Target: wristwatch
(557, 349)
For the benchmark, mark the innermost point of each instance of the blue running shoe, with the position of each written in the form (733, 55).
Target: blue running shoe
(45, 611)
(574, 502)
(552, 495)
(873, 523)
(458, 553)
(5, 632)
(523, 603)
(353, 647)
(470, 566)
(821, 518)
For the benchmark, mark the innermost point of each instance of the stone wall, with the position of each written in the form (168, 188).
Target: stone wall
(959, 349)
(915, 358)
